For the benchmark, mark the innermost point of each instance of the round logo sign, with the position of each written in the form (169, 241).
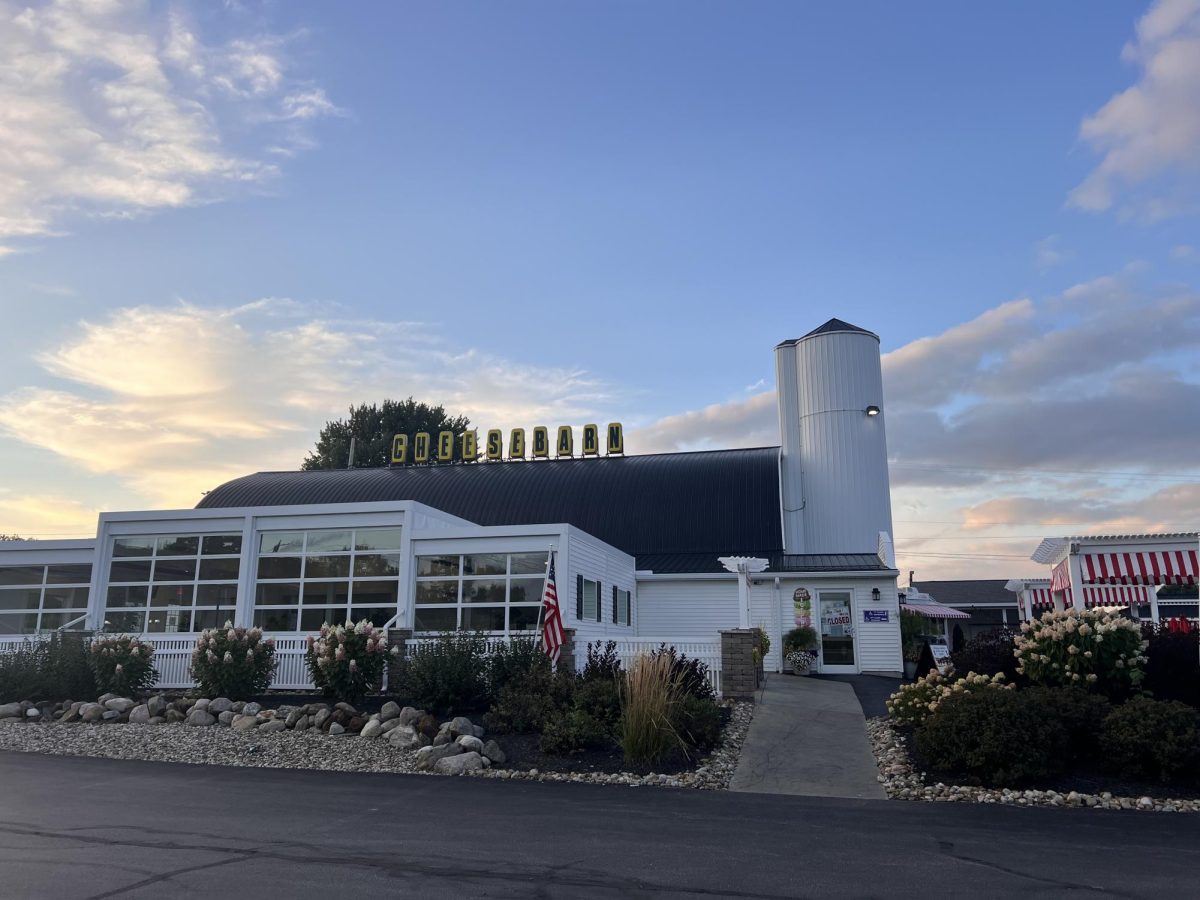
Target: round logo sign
(801, 594)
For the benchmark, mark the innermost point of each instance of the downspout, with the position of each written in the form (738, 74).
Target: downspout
(778, 625)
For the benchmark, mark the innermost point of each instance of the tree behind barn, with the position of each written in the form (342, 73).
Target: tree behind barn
(373, 426)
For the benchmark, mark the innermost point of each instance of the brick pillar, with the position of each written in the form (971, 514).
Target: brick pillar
(739, 672)
(566, 659)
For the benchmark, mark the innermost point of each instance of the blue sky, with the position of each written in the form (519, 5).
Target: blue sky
(227, 222)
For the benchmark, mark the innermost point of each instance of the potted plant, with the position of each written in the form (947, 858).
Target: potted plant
(800, 649)
(912, 640)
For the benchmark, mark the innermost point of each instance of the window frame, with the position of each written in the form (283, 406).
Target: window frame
(194, 608)
(336, 613)
(41, 612)
(625, 598)
(462, 605)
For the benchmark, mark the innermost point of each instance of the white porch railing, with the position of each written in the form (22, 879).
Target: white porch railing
(708, 652)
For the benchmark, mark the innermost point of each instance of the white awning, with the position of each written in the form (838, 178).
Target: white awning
(933, 610)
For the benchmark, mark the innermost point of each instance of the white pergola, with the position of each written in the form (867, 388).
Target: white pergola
(1091, 570)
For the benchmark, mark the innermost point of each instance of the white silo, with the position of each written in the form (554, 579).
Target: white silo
(833, 467)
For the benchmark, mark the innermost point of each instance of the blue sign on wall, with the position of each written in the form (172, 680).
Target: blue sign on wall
(875, 615)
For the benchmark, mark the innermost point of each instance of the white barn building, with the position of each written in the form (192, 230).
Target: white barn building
(667, 547)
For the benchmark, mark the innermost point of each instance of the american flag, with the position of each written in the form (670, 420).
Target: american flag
(552, 627)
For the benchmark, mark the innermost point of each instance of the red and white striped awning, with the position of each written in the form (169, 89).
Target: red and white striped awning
(934, 610)
(1150, 568)
(1098, 595)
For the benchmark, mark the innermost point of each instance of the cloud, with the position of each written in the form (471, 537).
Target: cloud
(173, 401)
(1184, 253)
(1048, 253)
(117, 109)
(1149, 134)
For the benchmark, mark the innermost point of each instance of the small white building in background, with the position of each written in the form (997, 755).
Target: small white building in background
(644, 542)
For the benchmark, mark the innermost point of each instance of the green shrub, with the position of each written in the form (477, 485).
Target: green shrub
(602, 662)
(650, 694)
(913, 703)
(600, 699)
(1099, 649)
(347, 661)
(989, 652)
(573, 731)
(802, 637)
(236, 663)
(1147, 738)
(1173, 664)
(1081, 713)
(699, 722)
(55, 669)
(691, 675)
(529, 701)
(912, 634)
(123, 665)
(446, 675)
(997, 737)
(512, 659)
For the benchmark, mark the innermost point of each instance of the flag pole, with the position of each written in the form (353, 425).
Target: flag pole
(542, 604)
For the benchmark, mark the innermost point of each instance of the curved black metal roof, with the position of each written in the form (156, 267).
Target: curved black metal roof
(713, 502)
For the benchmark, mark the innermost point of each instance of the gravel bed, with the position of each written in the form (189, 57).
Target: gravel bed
(902, 782)
(314, 750)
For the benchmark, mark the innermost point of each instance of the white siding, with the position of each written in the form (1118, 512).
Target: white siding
(596, 561)
(687, 609)
(876, 644)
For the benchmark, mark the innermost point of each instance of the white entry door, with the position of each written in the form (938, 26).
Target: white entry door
(837, 633)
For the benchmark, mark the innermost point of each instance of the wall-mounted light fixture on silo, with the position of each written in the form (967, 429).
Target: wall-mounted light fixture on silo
(875, 594)
(872, 410)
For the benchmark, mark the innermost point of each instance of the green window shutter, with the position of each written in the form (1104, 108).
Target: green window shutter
(599, 603)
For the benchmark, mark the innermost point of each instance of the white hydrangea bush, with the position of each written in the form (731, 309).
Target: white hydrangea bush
(916, 702)
(347, 661)
(237, 663)
(1099, 649)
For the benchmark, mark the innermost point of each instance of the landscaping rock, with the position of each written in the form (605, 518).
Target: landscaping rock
(201, 718)
(471, 743)
(427, 757)
(110, 715)
(174, 716)
(202, 703)
(294, 716)
(336, 728)
(493, 752)
(120, 704)
(458, 764)
(346, 708)
(301, 723)
(461, 725)
(8, 710)
(251, 709)
(91, 712)
(321, 718)
(33, 713)
(139, 715)
(372, 729)
(157, 705)
(104, 698)
(220, 705)
(403, 737)
(389, 710)
(244, 723)
(272, 725)
(390, 724)
(227, 717)
(410, 715)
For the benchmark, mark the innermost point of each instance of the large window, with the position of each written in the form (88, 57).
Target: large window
(43, 598)
(172, 583)
(498, 592)
(307, 578)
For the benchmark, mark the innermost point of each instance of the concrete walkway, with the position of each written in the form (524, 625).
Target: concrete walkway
(808, 737)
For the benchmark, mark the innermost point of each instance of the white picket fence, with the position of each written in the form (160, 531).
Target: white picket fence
(173, 656)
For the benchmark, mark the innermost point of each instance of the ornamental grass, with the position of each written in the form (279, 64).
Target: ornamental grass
(650, 695)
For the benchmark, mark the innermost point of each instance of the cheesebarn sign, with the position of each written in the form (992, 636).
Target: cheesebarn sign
(426, 448)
